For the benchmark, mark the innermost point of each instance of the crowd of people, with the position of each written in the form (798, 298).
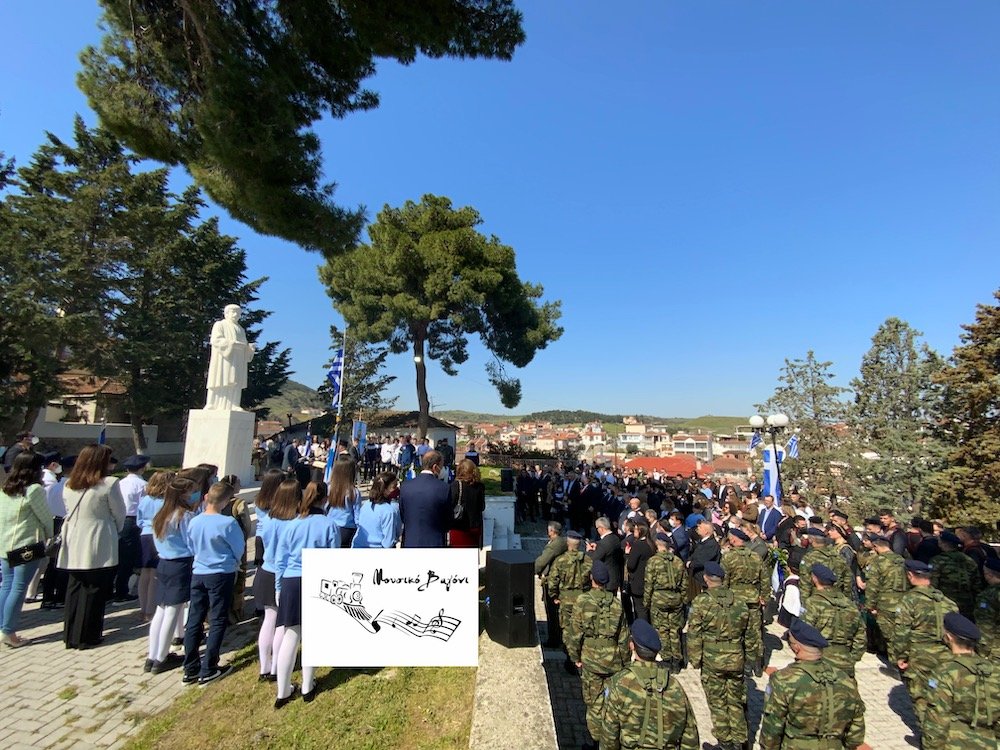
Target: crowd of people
(655, 574)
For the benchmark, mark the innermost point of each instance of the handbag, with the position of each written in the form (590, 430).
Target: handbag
(26, 554)
(458, 512)
(52, 545)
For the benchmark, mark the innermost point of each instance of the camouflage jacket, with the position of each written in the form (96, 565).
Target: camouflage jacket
(666, 582)
(600, 638)
(831, 558)
(988, 619)
(920, 627)
(569, 576)
(746, 575)
(810, 701)
(721, 637)
(963, 705)
(841, 623)
(645, 707)
(956, 573)
(759, 547)
(885, 581)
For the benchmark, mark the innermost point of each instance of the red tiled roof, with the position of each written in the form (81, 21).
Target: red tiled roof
(82, 383)
(667, 464)
(726, 463)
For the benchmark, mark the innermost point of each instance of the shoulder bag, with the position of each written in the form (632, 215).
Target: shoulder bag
(458, 512)
(27, 553)
(52, 546)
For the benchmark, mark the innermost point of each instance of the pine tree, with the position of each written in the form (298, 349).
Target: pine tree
(967, 490)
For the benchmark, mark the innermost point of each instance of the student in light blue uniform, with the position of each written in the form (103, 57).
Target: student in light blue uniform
(312, 529)
(173, 570)
(284, 508)
(379, 524)
(263, 582)
(218, 545)
(345, 499)
(149, 506)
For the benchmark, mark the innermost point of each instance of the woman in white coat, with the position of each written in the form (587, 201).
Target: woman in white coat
(95, 515)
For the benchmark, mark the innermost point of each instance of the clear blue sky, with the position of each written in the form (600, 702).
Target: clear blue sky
(709, 187)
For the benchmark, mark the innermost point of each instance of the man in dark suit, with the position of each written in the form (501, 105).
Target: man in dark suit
(579, 516)
(705, 548)
(608, 549)
(768, 518)
(425, 506)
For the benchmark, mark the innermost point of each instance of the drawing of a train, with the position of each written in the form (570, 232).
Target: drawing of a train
(342, 593)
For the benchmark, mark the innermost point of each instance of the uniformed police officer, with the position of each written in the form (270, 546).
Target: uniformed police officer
(644, 706)
(810, 703)
(837, 618)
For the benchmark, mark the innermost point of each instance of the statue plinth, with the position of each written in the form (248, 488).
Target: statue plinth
(223, 438)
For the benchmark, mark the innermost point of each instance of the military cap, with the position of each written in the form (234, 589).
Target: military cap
(52, 457)
(68, 462)
(816, 519)
(573, 534)
(879, 539)
(645, 636)
(136, 462)
(714, 569)
(661, 537)
(838, 513)
(600, 573)
(823, 574)
(951, 538)
(961, 626)
(873, 521)
(739, 534)
(993, 563)
(813, 531)
(916, 566)
(807, 635)
(693, 520)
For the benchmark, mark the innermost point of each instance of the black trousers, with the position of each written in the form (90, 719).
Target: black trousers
(551, 618)
(86, 598)
(54, 580)
(129, 553)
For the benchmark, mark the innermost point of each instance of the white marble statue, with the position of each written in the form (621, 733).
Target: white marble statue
(227, 370)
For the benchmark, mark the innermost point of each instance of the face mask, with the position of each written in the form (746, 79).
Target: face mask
(195, 497)
(57, 470)
(35, 440)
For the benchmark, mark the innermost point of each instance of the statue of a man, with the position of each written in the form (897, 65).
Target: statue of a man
(227, 370)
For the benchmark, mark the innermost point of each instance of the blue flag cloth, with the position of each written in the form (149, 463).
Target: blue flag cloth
(103, 437)
(336, 376)
(330, 458)
(792, 449)
(755, 440)
(771, 484)
(309, 440)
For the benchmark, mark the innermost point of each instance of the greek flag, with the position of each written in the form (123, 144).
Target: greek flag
(771, 484)
(309, 440)
(103, 437)
(792, 449)
(330, 458)
(336, 376)
(755, 440)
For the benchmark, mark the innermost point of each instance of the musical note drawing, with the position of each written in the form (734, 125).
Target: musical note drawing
(436, 621)
(441, 626)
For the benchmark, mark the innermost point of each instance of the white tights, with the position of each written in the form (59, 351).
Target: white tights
(286, 663)
(161, 630)
(266, 640)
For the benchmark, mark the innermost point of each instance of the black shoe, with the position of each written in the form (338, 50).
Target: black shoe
(310, 696)
(177, 642)
(218, 674)
(126, 598)
(171, 662)
(189, 679)
(49, 605)
(282, 702)
(267, 678)
(148, 666)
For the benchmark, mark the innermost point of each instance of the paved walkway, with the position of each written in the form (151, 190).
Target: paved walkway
(888, 718)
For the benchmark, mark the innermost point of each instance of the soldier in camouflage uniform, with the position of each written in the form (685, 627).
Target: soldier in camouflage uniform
(988, 611)
(664, 598)
(918, 643)
(810, 703)
(821, 550)
(568, 578)
(599, 643)
(885, 584)
(955, 573)
(721, 640)
(963, 696)
(748, 578)
(644, 707)
(837, 618)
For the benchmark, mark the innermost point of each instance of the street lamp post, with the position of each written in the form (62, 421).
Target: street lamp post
(776, 423)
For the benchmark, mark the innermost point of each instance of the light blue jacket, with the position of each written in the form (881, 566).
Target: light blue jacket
(378, 525)
(217, 542)
(272, 530)
(346, 517)
(148, 508)
(312, 532)
(174, 543)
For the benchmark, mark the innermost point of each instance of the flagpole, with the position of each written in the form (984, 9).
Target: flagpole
(343, 380)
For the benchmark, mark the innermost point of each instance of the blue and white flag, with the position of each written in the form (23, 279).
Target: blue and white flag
(771, 484)
(336, 377)
(330, 458)
(309, 440)
(103, 437)
(792, 449)
(755, 440)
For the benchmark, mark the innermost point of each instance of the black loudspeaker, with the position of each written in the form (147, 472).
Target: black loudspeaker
(506, 480)
(510, 586)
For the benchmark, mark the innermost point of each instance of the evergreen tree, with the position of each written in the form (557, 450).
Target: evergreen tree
(363, 383)
(967, 490)
(231, 90)
(427, 281)
(894, 415)
(817, 412)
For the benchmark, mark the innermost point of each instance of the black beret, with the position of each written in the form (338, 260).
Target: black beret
(823, 574)
(573, 534)
(873, 521)
(136, 462)
(838, 513)
(661, 537)
(807, 635)
(879, 539)
(739, 534)
(600, 572)
(52, 457)
(645, 636)
(813, 531)
(68, 462)
(951, 538)
(961, 626)
(714, 569)
(916, 566)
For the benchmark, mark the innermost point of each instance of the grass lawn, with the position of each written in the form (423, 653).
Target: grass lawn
(355, 709)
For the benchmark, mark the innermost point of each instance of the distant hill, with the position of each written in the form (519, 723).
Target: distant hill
(719, 424)
(294, 398)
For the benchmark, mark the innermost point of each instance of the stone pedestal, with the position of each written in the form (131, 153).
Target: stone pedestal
(223, 438)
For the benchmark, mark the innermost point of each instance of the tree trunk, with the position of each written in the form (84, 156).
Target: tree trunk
(138, 436)
(423, 402)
